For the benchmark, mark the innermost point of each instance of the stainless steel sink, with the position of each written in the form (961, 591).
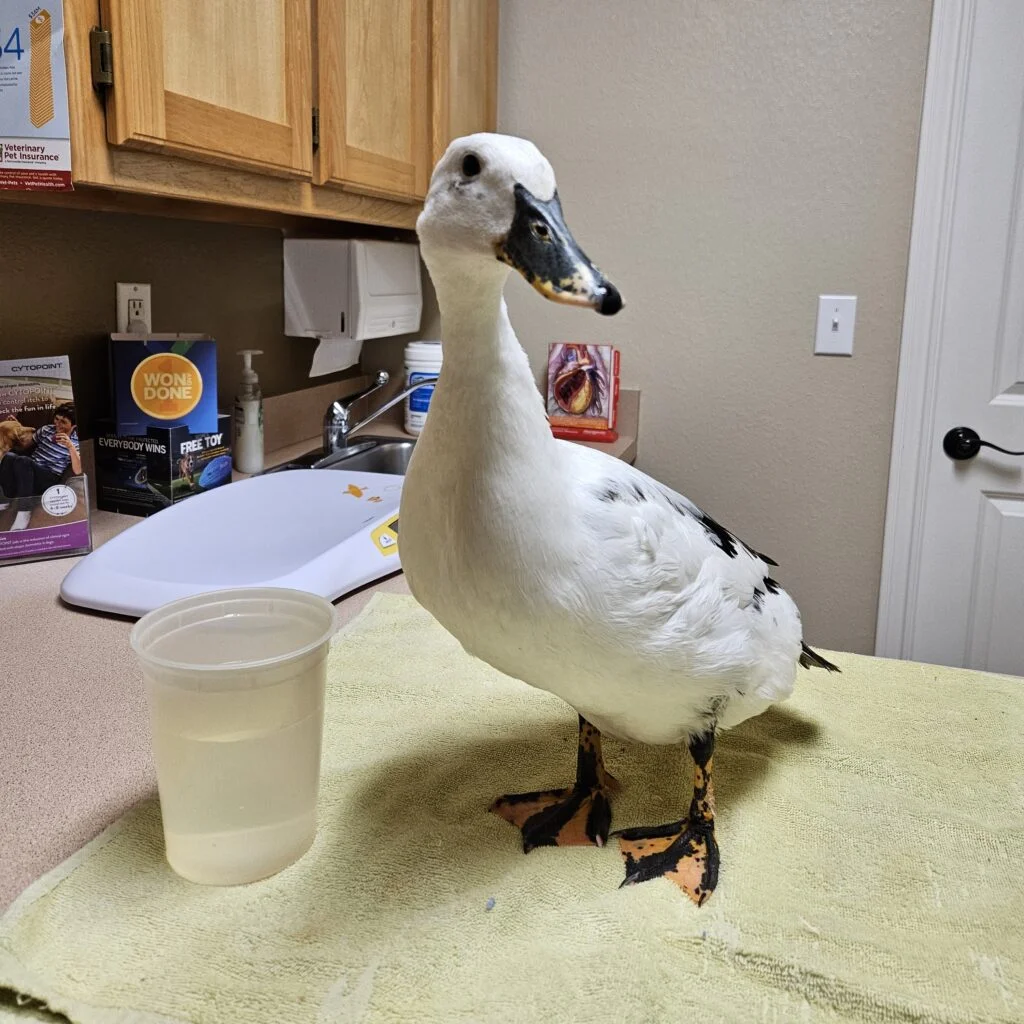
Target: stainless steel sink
(364, 455)
(386, 457)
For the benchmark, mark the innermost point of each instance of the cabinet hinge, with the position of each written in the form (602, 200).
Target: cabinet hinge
(316, 129)
(101, 56)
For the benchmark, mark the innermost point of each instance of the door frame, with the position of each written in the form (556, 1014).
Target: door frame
(942, 127)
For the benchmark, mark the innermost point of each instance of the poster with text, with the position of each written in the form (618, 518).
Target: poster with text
(35, 139)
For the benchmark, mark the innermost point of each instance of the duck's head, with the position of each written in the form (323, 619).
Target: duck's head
(493, 197)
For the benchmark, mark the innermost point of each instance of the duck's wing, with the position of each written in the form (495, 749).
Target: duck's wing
(698, 575)
(618, 493)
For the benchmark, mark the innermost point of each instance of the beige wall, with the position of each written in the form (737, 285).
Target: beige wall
(725, 161)
(58, 269)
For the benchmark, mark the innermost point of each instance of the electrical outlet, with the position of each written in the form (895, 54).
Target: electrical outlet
(134, 307)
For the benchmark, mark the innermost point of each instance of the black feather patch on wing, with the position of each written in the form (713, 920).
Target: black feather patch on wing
(725, 540)
(719, 535)
(810, 658)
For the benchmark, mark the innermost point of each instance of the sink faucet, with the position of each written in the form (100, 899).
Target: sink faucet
(337, 419)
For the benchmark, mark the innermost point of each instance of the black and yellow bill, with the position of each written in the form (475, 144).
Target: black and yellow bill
(540, 246)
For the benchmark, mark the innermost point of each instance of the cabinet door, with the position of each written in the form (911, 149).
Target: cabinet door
(465, 69)
(374, 77)
(225, 81)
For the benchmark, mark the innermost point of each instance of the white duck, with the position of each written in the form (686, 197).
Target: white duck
(560, 565)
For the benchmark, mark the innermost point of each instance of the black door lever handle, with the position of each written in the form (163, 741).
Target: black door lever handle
(962, 443)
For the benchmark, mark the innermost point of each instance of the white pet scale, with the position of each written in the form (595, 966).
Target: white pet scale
(327, 532)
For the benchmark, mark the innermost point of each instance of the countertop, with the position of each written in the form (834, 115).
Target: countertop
(74, 736)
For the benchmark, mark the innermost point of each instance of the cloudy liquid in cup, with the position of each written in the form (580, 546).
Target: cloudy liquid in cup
(235, 683)
(238, 776)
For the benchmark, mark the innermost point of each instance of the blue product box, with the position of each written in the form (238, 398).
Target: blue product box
(163, 380)
(141, 475)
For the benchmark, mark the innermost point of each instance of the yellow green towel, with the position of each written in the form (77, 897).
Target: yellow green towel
(872, 837)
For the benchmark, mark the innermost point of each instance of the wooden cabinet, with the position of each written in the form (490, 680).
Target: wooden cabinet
(214, 102)
(373, 58)
(228, 81)
(398, 80)
(464, 44)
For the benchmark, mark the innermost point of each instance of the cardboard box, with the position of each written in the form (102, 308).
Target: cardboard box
(141, 474)
(163, 380)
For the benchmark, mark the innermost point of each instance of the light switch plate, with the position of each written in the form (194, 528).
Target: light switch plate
(836, 316)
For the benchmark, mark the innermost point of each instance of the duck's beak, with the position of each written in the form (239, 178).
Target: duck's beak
(542, 249)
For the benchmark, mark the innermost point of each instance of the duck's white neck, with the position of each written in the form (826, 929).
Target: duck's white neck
(487, 388)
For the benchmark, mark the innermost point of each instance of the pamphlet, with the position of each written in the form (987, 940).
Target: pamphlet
(44, 497)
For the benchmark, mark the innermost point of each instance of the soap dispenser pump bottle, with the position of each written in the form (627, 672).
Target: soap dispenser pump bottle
(248, 446)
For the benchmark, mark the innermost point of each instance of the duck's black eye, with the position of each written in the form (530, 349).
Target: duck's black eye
(470, 165)
(541, 230)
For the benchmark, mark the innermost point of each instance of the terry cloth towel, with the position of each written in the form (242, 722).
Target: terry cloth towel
(872, 838)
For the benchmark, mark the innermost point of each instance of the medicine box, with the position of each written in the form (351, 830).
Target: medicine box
(141, 474)
(163, 380)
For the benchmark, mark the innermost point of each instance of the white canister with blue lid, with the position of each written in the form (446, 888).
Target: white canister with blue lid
(422, 360)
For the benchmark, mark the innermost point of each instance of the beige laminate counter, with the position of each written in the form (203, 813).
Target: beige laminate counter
(74, 740)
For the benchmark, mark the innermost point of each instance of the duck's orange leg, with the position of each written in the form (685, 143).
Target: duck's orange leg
(684, 851)
(578, 816)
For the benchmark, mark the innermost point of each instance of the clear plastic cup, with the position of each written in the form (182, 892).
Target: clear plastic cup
(235, 682)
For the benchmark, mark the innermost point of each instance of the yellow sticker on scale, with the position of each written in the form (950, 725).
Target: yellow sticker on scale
(385, 537)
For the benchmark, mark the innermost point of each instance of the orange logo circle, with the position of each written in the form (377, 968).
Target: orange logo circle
(166, 386)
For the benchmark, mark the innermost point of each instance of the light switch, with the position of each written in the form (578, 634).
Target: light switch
(836, 315)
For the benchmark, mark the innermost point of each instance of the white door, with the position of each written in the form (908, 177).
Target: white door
(953, 570)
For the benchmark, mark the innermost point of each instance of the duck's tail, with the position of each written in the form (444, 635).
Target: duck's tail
(810, 658)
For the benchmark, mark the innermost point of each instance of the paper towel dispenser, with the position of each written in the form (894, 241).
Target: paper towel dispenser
(351, 289)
